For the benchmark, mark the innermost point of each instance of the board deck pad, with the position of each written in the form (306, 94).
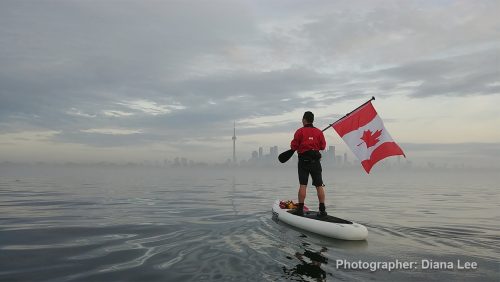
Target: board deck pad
(328, 218)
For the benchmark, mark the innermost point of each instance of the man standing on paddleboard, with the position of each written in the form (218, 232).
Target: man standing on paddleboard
(308, 141)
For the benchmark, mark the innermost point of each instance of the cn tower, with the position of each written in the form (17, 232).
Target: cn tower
(234, 143)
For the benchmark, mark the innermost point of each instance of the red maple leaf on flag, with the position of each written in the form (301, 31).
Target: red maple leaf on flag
(369, 139)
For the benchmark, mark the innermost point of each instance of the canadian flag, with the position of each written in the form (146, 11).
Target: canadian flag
(364, 132)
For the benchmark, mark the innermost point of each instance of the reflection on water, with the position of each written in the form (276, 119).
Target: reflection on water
(309, 266)
(131, 224)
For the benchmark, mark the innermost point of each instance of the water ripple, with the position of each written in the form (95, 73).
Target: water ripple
(156, 226)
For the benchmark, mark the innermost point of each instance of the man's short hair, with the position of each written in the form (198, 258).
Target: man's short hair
(309, 116)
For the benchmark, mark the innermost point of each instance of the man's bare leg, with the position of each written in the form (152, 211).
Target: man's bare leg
(321, 197)
(321, 193)
(302, 193)
(300, 205)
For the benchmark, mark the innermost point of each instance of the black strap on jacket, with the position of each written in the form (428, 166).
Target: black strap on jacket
(310, 156)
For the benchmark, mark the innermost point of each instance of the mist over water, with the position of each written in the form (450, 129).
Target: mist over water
(209, 224)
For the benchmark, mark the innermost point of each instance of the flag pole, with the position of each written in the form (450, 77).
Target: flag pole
(373, 98)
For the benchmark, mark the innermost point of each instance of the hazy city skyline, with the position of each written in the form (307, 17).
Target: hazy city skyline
(127, 81)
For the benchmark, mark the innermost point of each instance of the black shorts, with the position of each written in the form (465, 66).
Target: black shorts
(312, 168)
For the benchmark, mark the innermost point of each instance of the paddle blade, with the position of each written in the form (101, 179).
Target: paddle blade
(285, 156)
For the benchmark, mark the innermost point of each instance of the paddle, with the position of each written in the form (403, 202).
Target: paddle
(285, 156)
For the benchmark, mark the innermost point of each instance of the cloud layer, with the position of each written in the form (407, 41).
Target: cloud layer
(128, 73)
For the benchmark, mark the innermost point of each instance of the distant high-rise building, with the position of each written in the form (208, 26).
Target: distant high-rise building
(331, 153)
(255, 155)
(273, 152)
(338, 159)
(234, 143)
(261, 152)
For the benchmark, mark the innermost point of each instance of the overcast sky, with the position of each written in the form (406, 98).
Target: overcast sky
(149, 80)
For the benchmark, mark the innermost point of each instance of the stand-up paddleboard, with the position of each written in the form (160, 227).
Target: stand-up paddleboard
(328, 226)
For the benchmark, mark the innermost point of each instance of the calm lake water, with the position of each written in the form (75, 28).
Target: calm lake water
(160, 224)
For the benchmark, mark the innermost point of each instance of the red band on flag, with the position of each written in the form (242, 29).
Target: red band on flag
(355, 120)
(383, 151)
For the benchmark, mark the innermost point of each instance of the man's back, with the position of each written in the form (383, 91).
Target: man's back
(308, 138)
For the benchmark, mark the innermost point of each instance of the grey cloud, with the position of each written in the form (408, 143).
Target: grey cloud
(463, 148)
(451, 49)
(96, 56)
(281, 83)
(56, 55)
(400, 32)
(198, 119)
(106, 140)
(470, 74)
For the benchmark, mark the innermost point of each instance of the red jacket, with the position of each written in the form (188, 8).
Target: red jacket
(308, 138)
